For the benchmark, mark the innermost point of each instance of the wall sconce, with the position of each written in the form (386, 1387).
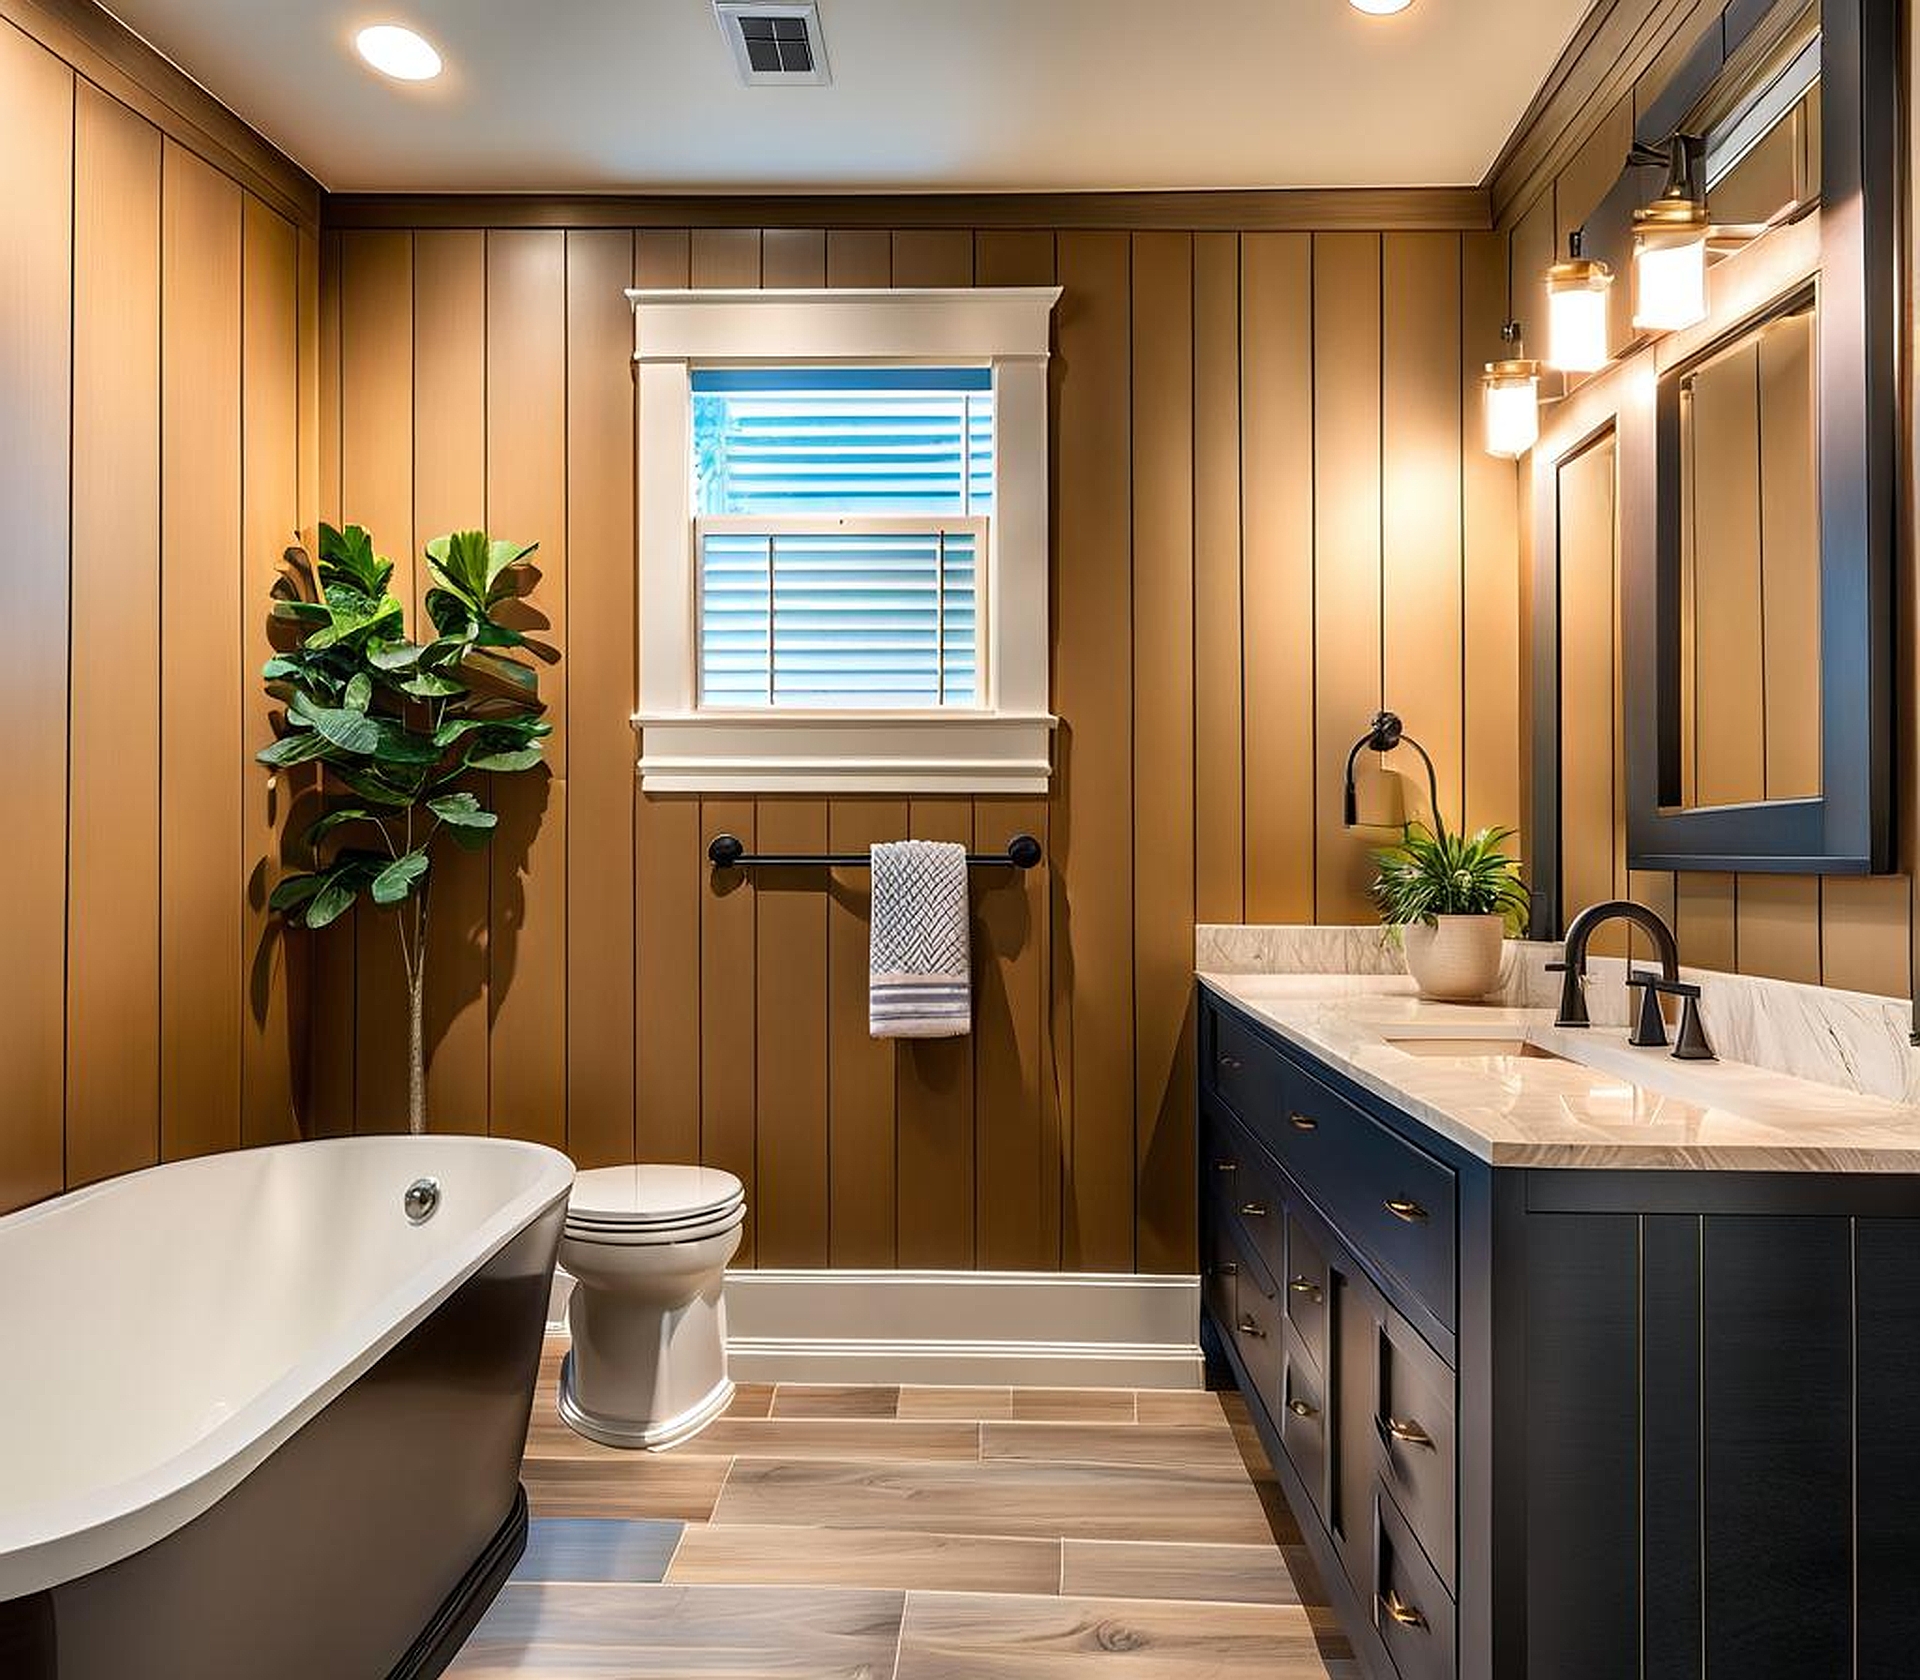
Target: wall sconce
(1577, 292)
(1670, 240)
(1510, 412)
(1384, 734)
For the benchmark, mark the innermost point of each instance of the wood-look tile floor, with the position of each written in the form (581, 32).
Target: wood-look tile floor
(819, 1533)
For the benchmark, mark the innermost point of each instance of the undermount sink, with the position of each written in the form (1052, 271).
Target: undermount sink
(1460, 1049)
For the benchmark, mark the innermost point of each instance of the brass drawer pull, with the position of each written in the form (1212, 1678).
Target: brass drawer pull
(1247, 1327)
(1412, 1212)
(1254, 1210)
(1301, 1409)
(1304, 1286)
(1226, 1166)
(1405, 1430)
(1303, 1122)
(1400, 1611)
(1229, 1064)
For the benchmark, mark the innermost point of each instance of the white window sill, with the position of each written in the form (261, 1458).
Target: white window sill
(814, 752)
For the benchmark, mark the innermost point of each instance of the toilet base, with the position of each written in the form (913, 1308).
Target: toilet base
(653, 1437)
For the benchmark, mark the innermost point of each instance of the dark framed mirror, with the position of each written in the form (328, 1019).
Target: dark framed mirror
(1753, 498)
(1757, 631)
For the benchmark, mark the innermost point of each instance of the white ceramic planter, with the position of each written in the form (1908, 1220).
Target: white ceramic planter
(1456, 961)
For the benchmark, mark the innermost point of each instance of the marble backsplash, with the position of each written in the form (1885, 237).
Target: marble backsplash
(1848, 1039)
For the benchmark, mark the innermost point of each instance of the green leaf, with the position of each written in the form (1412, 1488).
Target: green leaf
(430, 685)
(333, 900)
(516, 758)
(377, 790)
(397, 880)
(338, 818)
(461, 810)
(349, 554)
(359, 694)
(350, 731)
(395, 656)
(300, 612)
(293, 891)
(300, 747)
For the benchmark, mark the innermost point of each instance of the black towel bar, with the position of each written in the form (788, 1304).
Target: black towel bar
(724, 851)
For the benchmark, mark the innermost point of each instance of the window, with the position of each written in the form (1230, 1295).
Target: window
(841, 520)
(843, 540)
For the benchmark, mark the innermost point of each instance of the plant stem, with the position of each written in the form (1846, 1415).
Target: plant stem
(416, 1018)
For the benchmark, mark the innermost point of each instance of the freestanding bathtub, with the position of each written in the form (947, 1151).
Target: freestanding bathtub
(262, 1414)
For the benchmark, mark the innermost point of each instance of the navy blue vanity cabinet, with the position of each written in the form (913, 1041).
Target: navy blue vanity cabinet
(1568, 1424)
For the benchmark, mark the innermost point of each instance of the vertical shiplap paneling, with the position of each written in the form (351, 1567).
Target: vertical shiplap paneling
(1863, 933)
(793, 257)
(932, 257)
(527, 502)
(859, 257)
(1421, 605)
(1015, 1119)
(450, 494)
(113, 943)
(933, 1104)
(331, 959)
(270, 518)
(1586, 525)
(860, 1107)
(1093, 694)
(791, 1053)
(1277, 523)
(1162, 474)
(1490, 628)
(729, 1010)
(729, 1002)
(201, 881)
(36, 366)
(1346, 564)
(1777, 926)
(1703, 919)
(669, 881)
(600, 656)
(1219, 768)
(376, 491)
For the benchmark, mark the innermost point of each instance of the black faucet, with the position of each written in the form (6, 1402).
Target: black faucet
(1649, 1025)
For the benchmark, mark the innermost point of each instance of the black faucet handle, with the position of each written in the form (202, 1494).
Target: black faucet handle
(1690, 1042)
(1671, 988)
(1649, 1025)
(1573, 998)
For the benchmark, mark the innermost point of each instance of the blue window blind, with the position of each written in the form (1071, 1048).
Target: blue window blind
(842, 520)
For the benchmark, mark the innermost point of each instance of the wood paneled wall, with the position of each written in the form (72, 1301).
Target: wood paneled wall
(155, 413)
(1265, 525)
(1854, 932)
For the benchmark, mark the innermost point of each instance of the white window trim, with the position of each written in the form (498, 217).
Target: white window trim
(1002, 746)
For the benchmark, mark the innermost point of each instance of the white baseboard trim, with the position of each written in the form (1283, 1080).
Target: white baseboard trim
(1030, 1329)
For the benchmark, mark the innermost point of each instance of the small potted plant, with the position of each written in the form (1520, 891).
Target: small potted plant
(1453, 897)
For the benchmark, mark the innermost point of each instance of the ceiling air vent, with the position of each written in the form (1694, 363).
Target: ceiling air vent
(774, 44)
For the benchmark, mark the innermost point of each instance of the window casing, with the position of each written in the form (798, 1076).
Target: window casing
(864, 609)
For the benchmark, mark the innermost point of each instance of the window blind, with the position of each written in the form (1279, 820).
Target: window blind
(843, 516)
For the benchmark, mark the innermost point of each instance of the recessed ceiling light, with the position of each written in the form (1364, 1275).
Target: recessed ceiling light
(398, 52)
(1380, 8)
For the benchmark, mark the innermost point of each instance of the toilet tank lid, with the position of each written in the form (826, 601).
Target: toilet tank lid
(654, 1193)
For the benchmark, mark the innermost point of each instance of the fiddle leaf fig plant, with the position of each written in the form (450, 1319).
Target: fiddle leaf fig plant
(404, 733)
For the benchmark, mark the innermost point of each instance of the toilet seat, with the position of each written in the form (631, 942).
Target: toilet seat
(643, 1204)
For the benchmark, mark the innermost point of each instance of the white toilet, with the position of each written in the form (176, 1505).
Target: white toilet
(647, 1247)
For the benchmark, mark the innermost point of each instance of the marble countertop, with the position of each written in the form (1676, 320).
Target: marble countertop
(1607, 1105)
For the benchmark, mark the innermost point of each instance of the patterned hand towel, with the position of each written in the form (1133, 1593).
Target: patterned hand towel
(919, 977)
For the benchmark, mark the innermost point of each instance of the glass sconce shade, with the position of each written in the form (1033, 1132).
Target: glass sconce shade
(1577, 292)
(1510, 407)
(1669, 266)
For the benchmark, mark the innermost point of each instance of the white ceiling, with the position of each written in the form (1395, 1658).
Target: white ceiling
(927, 95)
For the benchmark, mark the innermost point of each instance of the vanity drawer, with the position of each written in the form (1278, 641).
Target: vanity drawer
(1389, 1198)
(1411, 1609)
(1414, 1422)
(1256, 1328)
(1246, 1192)
(1307, 1285)
(1303, 1419)
(1243, 1070)
(1220, 1271)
